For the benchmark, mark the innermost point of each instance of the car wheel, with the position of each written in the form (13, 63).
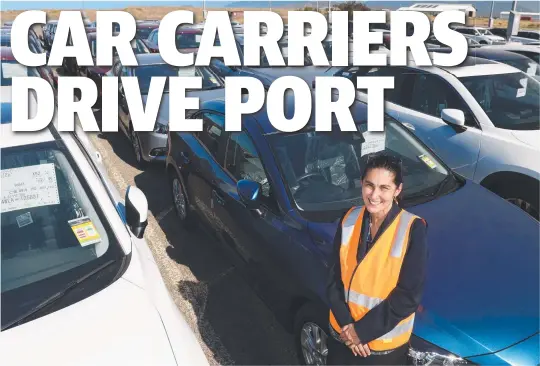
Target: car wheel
(311, 335)
(180, 202)
(137, 150)
(522, 193)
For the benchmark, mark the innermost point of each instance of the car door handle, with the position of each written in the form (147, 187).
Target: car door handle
(218, 197)
(184, 158)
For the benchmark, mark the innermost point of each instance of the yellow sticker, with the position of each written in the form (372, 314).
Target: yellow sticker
(427, 161)
(85, 231)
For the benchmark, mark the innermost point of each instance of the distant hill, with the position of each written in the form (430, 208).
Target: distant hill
(267, 4)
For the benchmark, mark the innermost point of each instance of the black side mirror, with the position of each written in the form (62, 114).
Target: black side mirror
(136, 211)
(249, 192)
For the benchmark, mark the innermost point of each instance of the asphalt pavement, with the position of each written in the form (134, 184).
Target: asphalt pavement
(231, 322)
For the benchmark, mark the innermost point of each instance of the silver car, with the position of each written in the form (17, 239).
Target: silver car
(151, 146)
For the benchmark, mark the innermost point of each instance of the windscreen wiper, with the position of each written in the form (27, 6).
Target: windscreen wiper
(48, 301)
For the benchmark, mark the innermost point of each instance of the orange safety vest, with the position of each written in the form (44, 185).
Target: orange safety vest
(377, 274)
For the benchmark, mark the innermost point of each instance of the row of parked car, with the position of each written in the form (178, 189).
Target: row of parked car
(273, 199)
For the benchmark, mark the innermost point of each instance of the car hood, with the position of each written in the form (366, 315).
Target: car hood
(117, 326)
(482, 284)
(203, 95)
(531, 138)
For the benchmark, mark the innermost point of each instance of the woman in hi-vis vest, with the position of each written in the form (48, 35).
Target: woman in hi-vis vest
(377, 279)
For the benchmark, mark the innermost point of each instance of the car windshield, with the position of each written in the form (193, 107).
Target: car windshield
(145, 73)
(12, 69)
(526, 65)
(137, 45)
(53, 231)
(188, 40)
(5, 40)
(143, 33)
(510, 100)
(323, 169)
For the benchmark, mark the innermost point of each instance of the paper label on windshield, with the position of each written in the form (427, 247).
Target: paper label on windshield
(10, 70)
(374, 142)
(29, 186)
(532, 69)
(187, 71)
(198, 38)
(521, 92)
(85, 231)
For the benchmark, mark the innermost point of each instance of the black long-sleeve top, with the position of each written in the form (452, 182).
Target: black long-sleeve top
(402, 301)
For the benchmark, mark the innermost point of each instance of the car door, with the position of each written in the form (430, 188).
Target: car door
(430, 94)
(123, 109)
(267, 240)
(203, 155)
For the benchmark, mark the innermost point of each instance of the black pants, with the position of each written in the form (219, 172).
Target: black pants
(340, 354)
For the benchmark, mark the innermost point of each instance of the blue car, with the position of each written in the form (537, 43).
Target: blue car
(273, 199)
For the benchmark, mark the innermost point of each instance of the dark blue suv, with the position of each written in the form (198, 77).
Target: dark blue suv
(274, 198)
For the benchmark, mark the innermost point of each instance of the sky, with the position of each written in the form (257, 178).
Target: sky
(482, 6)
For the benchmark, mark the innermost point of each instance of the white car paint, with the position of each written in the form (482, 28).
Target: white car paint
(481, 35)
(475, 153)
(132, 321)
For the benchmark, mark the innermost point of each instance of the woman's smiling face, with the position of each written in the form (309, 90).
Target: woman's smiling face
(379, 190)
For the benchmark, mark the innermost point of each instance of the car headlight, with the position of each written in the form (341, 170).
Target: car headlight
(422, 352)
(161, 128)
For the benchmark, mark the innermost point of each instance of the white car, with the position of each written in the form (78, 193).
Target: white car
(481, 118)
(481, 35)
(532, 52)
(79, 283)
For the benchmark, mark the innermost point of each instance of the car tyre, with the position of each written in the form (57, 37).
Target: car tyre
(311, 333)
(180, 202)
(136, 145)
(526, 197)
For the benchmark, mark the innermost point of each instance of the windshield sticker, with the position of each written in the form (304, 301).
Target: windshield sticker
(29, 186)
(24, 220)
(85, 231)
(187, 71)
(427, 160)
(11, 70)
(198, 38)
(374, 142)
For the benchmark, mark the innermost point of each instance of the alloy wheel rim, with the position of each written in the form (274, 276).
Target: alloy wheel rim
(179, 199)
(314, 344)
(524, 205)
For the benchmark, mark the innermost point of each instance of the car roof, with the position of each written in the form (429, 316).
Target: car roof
(6, 54)
(92, 35)
(359, 112)
(147, 25)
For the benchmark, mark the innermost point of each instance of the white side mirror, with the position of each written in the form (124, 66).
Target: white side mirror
(136, 211)
(453, 116)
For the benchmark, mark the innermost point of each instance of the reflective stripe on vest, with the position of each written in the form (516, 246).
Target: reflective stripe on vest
(373, 279)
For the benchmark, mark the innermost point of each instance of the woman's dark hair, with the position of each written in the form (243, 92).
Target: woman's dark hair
(385, 161)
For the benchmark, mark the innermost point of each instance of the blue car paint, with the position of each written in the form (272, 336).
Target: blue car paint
(481, 291)
(524, 353)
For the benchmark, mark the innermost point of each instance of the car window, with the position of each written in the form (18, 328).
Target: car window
(243, 162)
(52, 230)
(403, 78)
(188, 40)
(511, 101)
(431, 95)
(212, 134)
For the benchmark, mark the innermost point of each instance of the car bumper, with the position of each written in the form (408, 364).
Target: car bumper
(153, 146)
